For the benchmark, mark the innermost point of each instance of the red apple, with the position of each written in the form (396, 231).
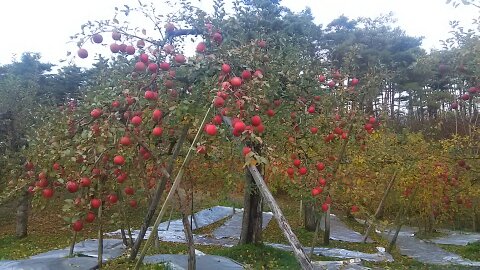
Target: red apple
(112, 198)
(77, 225)
(29, 166)
(201, 47)
(90, 217)
(239, 127)
(337, 75)
(42, 183)
(256, 121)
(201, 149)
(338, 131)
(95, 203)
(72, 186)
(140, 67)
(133, 203)
(180, 58)
(119, 160)
(114, 48)
(236, 81)
(150, 95)
(140, 44)
(129, 191)
(164, 66)
(125, 141)
(217, 37)
(85, 182)
(82, 53)
(246, 74)
(260, 128)
(211, 129)
(316, 191)
(168, 48)
(122, 177)
(169, 27)
(143, 58)
(97, 38)
(96, 113)
(56, 166)
(262, 43)
(218, 102)
(157, 115)
(217, 120)
(226, 68)
(136, 120)
(297, 162)
(354, 82)
(322, 182)
(152, 67)
(270, 112)
(331, 84)
(116, 35)
(157, 131)
(320, 166)
(130, 50)
(47, 193)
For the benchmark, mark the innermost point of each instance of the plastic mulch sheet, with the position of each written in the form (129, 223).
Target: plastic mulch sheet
(457, 238)
(232, 227)
(425, 252)
(339, 231)
(380, 256)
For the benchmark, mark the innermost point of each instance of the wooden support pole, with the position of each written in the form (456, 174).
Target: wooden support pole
(298, 250)
(380, 207)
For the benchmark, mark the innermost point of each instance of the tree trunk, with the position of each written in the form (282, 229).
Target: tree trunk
(400, 220)
(315, 237)
(310, 221)
(72, 244)
(252, 214)
(474, 219)
(298, 250)
(124, 236)
(158, 194)
(326, 235)
(100, 227)
(187, 228)
(22, 215)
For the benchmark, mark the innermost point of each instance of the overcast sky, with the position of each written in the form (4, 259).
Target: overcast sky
(45, 26)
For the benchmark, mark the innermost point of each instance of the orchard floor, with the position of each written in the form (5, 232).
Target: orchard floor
(47, 232)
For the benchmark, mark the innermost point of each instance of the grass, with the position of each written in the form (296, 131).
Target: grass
(470, 251)
(260, 257)
(12, 248)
